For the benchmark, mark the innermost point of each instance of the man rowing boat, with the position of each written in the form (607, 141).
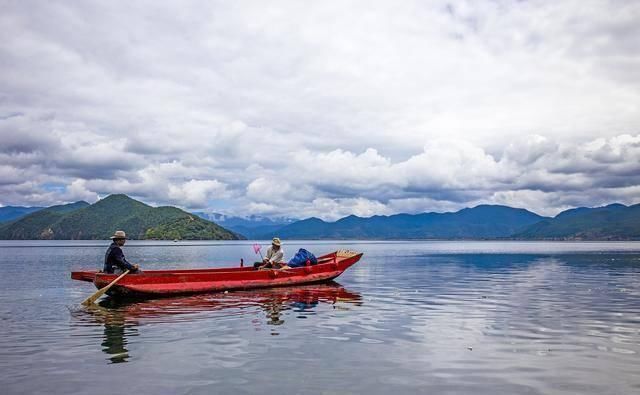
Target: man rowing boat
(114, 260)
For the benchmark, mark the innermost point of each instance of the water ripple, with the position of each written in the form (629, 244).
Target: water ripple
(407, 319)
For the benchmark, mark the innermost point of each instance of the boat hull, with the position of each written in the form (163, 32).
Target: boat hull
(160, 283)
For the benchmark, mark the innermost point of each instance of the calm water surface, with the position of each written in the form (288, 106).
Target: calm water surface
(410, 317)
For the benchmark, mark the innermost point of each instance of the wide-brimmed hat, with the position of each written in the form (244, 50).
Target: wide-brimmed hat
(276, 241)
(119, 235)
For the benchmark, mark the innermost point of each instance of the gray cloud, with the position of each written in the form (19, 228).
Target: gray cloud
(322, 109)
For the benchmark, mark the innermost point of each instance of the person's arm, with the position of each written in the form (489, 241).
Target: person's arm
(268, 255)
(122, 262)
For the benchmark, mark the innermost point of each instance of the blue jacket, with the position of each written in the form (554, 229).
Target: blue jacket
(114, 257)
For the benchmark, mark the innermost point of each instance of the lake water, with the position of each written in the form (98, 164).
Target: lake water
(410, 317)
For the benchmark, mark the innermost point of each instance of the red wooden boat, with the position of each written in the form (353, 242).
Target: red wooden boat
(155, 283)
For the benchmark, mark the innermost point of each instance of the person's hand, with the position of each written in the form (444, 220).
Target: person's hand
(136, 267)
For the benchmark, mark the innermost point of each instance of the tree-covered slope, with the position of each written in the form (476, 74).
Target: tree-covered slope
(115, 212)
(67, 208)
(11, 213)
(613, 222)
(38, 225)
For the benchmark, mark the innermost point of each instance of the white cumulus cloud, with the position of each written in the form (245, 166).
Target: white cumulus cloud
(321, 109)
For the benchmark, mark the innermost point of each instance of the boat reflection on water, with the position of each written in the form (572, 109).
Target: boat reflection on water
(122, 318)
(304, 299)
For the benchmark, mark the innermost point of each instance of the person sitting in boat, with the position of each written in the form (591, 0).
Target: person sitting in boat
(114, 260)
(274, 258)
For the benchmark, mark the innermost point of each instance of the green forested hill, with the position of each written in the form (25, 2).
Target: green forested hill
(11, 213)
(116, 212)
(612, 222)
(38, 225)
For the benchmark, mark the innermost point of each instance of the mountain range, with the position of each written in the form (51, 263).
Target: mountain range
(481, 222)
(97, 221)
(81, 220)
(252, 227)
(612, 222)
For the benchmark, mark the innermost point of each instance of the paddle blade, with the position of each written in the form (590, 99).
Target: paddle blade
(91, 299)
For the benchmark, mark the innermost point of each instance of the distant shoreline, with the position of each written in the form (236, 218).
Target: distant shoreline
(352, 239)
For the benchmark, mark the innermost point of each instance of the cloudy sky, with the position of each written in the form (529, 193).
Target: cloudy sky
(324, 108)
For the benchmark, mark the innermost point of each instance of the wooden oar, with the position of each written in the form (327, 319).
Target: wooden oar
(91, 299)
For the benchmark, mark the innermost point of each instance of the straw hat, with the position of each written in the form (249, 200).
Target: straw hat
(276, 241)
(119, 235)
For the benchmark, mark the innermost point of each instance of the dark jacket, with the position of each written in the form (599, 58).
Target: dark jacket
(114, 258)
